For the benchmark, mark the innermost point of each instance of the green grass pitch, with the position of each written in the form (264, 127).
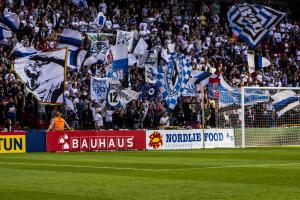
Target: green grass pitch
(251, 173)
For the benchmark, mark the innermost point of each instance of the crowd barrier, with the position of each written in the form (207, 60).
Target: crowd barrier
(77, 141)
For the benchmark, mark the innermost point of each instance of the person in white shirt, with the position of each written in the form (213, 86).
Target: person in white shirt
(164, 120)
(98, 121)
(103, 7)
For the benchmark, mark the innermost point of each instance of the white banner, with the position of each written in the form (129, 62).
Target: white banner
(44, 74)
(174, 139)
(219, 138)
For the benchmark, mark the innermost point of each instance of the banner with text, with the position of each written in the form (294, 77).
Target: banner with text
(95, 140)
(174, 139)
(219, 138)
(13, 142)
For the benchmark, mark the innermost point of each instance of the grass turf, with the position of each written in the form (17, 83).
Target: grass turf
(253, 173)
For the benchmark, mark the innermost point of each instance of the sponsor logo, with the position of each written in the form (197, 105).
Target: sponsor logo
(12, 143)
(214, 136)
(191, 137)
(95, 143)
(156, 140)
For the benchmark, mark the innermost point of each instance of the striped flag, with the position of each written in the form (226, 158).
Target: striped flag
(71, 39)
(20, 51)
(75, 58)
(256, 62)
(285, 101)
(5, 34)
(11, 20)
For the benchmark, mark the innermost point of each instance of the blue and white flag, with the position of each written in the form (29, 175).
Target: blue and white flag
(20, 51)
(198, 80)
(149, 91)
(44, 75)
(150, 74)
(80, 3)
(172, 78)
(253, 22)
(99, 47)
(11, 21)
(230, 95)
(98, 59)
(118, 56)
(100, 20)
(285, 101)
(256, 63)
(125, 38)
(4, 34)
(71, 39)
(99, 88)
(75, 58)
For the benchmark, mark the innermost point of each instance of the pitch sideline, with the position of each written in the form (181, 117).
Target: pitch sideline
(148, 169)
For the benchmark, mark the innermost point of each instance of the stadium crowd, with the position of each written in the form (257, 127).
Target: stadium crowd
(199, 30)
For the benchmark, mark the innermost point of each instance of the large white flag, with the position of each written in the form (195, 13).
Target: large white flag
(44, 75)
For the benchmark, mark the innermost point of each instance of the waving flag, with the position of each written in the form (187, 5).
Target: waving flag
(125, 38)
(172, 78)
(80, 3)
(150, 74)
(149, 91)
(118, 56)
(253, 22)
(5, 34)
(99, 47)
(44, 75)
(141, 47)
(285, 101)
(75, 58)
(20, 51)
(257, 62)
(230, 95)
(11, 20)
(99, 58)
(99, 88)
(71, 39)
(100, 20)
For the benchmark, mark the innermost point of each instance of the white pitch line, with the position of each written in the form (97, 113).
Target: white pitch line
(147, 169)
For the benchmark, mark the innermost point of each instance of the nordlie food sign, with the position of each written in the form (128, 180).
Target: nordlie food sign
(174, 139)
(13, 142)
(95, 140)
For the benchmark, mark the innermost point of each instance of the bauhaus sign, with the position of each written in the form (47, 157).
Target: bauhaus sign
(95, 140)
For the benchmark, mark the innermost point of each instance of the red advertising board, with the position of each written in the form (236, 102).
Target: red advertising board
(95, 140)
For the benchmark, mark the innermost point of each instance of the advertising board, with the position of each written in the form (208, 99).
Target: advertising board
(95, 140)
(219, 138)
(13, 142)
(174, 139)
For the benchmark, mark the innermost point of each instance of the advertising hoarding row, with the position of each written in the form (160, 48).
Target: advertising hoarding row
(189, 139)
(76, 141)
